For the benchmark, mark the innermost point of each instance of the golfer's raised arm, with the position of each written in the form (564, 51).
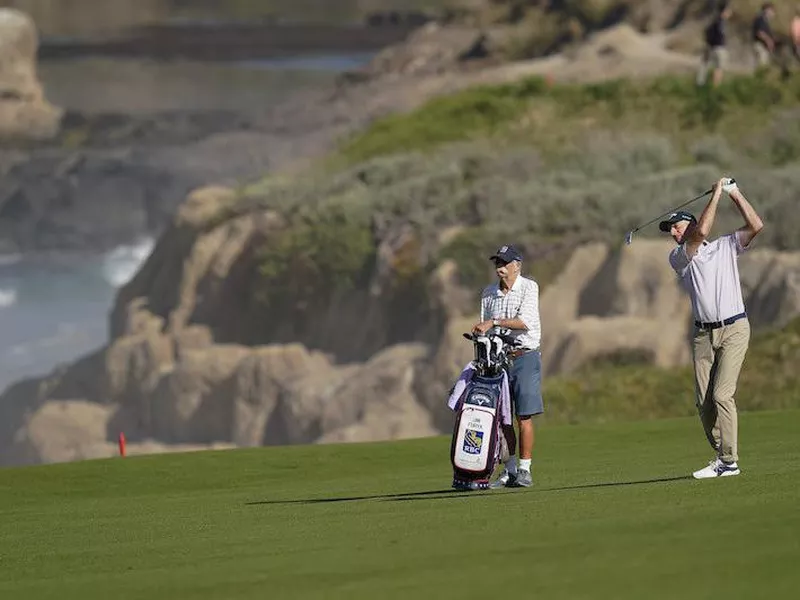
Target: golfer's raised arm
(753, 223)
(702, 229)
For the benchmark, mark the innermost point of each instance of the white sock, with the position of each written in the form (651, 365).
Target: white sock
(525, 464)
(511, 465)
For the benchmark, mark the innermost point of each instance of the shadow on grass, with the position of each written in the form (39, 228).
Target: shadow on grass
(448, 494)
(405, 496)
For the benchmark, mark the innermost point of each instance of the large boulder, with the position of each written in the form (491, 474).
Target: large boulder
(260, 388)
(378, 402)
(771, 286)
(77, 430)
(186, 404)
(64, 431)
(593, 339)
(24, 111)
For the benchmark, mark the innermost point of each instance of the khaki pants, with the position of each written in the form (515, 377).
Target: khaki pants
(718, 357)
(714, 59)
(762, 55)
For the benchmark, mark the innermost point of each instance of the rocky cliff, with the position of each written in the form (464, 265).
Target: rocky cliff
(25, 114)
(184, 368)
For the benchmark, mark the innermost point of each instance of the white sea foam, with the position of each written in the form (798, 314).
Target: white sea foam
(123, 262)
(8, 297)
(10, 259)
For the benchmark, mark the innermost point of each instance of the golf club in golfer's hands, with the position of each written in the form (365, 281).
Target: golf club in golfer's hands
(728, 185)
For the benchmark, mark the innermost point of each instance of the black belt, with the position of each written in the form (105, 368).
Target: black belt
(519, 352)
(718, 324)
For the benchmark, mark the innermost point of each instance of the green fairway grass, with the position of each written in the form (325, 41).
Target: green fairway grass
(612, 514)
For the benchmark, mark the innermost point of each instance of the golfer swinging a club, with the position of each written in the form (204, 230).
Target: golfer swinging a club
(709, 272)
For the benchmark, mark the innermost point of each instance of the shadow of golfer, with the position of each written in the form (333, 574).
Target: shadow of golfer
(352, 498)
(534, 489)
(618, 483)
(449, 494)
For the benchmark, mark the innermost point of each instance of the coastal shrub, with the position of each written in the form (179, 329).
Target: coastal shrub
(604, 187)
(713, 150)
(316, 256)
(669, 104)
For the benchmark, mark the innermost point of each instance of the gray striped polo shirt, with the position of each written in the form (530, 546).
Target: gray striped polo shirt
(521, 301)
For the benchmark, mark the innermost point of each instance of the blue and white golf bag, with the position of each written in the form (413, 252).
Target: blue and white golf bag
(481, 400)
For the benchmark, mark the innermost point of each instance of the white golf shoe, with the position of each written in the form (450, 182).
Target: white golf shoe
(717, 468)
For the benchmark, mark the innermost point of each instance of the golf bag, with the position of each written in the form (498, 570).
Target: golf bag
(481, 400)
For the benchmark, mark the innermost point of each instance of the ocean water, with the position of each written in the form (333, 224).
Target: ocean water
(54, 308)
(98, 84)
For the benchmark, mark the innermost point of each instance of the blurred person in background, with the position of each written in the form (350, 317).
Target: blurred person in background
(715, 55)
(764, 42)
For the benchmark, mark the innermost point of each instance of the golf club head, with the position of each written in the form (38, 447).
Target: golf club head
(628, 238)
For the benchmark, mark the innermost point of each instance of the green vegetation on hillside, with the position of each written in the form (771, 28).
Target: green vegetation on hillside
(612, 515)
(318, 255)
(554, 117)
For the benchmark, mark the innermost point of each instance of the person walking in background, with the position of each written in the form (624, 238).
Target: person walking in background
(763, 37)
(715, 55)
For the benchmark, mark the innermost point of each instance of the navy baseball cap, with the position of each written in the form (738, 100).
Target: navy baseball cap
(506, 254)
(676, 217)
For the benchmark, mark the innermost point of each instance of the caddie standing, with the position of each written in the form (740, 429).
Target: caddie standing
(512, 304)
(709, 271)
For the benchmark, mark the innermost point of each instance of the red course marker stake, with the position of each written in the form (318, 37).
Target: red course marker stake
(121, 444)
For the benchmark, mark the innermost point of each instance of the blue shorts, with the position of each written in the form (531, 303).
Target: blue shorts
(525, 382)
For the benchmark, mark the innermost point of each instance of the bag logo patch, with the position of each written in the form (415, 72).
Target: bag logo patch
(480, 399)
(473, 441)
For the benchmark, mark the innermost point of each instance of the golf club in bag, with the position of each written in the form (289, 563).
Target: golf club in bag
(629, 235)
(481, 399)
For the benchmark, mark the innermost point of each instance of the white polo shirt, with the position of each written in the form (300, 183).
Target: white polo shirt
(520, 302)
(711, 277)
